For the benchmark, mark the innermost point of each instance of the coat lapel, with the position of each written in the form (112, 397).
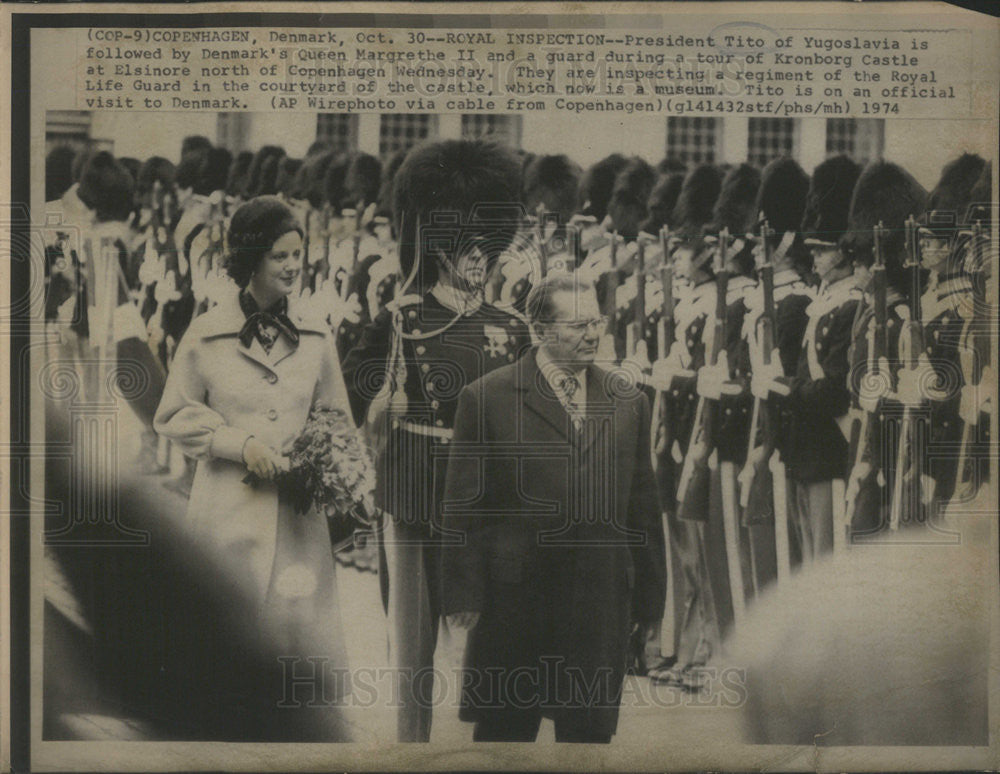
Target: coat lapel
(600, 407)
(539, 397)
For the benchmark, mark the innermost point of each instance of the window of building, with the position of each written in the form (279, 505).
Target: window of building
(338, 130)
(399, 131)
(770, 138)
(692, 140)
(505, 129)
(863, 139)
(232, 131)
(67, 127)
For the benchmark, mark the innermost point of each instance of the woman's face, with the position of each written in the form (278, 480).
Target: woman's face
(278, 272)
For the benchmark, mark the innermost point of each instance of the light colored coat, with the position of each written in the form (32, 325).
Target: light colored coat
(218, 394)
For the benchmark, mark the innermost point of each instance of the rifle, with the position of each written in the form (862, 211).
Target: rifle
(693, 491)
(636, 332)
(970, 356)
(906, 490)
(867, 491)
(665, 334)
(757, 491)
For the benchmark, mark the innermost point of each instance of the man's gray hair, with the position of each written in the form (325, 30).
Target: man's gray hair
(540, 308)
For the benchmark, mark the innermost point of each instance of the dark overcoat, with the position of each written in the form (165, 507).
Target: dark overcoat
(555, 538)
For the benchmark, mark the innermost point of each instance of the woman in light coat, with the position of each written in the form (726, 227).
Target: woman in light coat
(243, 381)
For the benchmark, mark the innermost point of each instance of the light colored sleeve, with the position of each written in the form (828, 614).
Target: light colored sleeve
(186, 419)
(331, 391)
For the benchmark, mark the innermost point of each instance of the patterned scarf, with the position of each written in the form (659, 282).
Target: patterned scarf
(266, 325)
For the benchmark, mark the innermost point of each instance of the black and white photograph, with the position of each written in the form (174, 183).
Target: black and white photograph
(481, 387)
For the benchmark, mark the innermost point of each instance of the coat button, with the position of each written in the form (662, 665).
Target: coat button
(416, 331)
(272, 414)
(510, 356)
(435, 404)
(439, 422)
(424, 367)
(272, 378)
(421, 349)
(429, 386)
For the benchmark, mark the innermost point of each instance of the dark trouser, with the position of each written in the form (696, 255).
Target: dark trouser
(810, 508)
(414, 605)
(521, 725)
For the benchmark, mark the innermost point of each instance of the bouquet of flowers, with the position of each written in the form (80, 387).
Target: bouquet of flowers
(331, 468)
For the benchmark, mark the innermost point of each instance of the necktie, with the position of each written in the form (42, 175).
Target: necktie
(570, 385)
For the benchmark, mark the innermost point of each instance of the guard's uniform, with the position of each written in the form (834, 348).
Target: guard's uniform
(792, 296)
(942, 307)
(441, 353)
(815, 418)
(871, 510)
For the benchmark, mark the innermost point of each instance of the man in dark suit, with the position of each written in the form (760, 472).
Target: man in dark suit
(555, 540)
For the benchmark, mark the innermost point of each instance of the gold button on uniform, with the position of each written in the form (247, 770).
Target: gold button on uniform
(272, 414)
(421, 349)
(272, 378)
(435, 404)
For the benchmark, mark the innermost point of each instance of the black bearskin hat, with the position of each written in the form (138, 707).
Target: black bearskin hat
(156, 170)
(473, 184)
(106, 187)
(954, 190)
(213, 171)
(661, 203)
(885, 193)
(735, 209)
(238, 170)
(597, 184)
(287, 171)
(194, 142)
(364, 176)
(699, 192)
(389, 170)
(781, 199)
(670, 166)
(631, 191)
(828, 202)
(268, 183)
(187, 170)
(58, 172)
(552, 182)
(333, 181)
(252, 187)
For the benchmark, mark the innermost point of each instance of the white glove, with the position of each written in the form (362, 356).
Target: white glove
(764, 380)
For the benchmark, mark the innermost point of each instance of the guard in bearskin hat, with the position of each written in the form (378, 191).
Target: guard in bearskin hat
(727, 384)
(693, 629)
(455, 209)
(814, 402)
(885, 195)
(947, 316)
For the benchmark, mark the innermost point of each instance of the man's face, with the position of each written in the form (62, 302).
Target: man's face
(572, 337)
(934, 252)
(826, 258)
(862, 276)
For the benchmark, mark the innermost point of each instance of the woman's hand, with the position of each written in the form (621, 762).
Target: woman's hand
(261, 460)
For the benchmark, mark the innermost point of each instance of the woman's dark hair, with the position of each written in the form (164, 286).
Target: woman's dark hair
(254, 229)
(106, 187)
(58, 172)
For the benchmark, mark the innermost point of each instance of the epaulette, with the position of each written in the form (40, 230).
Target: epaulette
(510, 310)
(397, 304)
